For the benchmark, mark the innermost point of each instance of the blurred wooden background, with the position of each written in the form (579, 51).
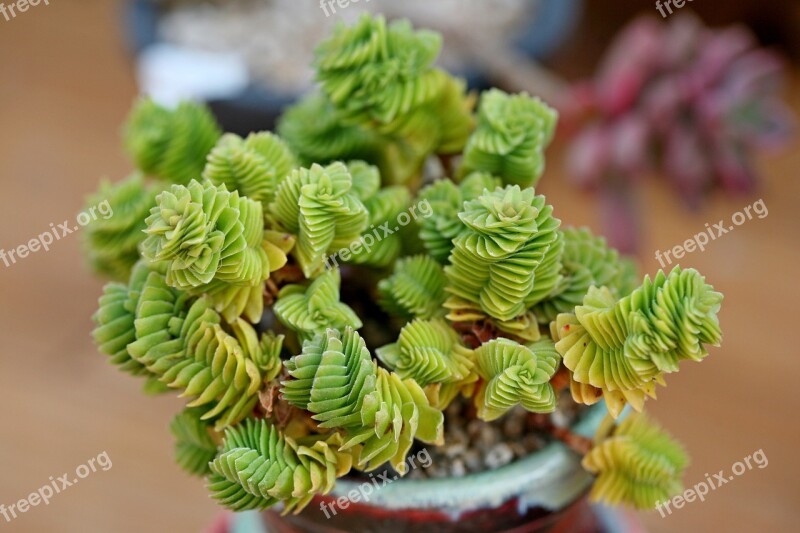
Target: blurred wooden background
(66, 87)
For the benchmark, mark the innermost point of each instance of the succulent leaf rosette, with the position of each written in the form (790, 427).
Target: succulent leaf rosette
(300, 364)
(381, 100)
(112, 244)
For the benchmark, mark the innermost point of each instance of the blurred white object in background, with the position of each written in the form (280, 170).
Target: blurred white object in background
(170, 73)
(277, 38)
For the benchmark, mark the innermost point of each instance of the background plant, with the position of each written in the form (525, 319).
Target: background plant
(691, 103)
(489, 301)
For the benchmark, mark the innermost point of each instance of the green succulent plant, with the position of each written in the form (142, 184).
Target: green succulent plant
(624, 346)
(382, 100)
(254, 166)
(639, 463)
(115, 317)
(515, 374)
(316, 131)
(320, 206)
(336, 379)
(213, 242)
(163, 333)
(112, 243)
(171, 144)
(267, 280)
(509, 142)
(446, 199)
(507, 256)
(586, 261)
(313, 309)
(194, 446)
(258, 467)
(428, 351)
(415, 289)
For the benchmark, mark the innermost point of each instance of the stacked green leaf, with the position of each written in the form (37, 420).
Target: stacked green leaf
(213, 242)
(524, 327)
(415, 289)
(259, 467)
(378, 71)
(548, 273)
(507, 256)
(112, 241)
(380, 244)
(205, 233)
(233, 300)
(318, 133)
(218, 370)
(182, 343)
(446, 199)
(428, 351)
(382, 77)
(438, 231)
(623, 346)
(366, 179)
(383, 74)
(515, 374)
(313, 309)
(115, 317)
(587, 261)
(509, 141)
(268, 355)
(254, 166)
(638, 465)
(171, 144)
(322, 208)
(194, 446)
(385, 207)
(379, 413)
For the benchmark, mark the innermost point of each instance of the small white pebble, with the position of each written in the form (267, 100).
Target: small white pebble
(500, 454)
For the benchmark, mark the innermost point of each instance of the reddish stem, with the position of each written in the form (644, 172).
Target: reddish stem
(578, 443)
(560, 380)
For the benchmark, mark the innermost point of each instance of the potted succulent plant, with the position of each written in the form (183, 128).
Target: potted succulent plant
(379, 278)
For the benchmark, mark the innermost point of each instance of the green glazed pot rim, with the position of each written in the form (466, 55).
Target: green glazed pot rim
(551, 478)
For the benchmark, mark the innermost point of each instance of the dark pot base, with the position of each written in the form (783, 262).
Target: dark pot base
(577, 518)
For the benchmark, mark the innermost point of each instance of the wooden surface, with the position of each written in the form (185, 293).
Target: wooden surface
(66, 87)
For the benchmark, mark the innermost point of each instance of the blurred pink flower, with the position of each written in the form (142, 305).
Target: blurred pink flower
(689, 102)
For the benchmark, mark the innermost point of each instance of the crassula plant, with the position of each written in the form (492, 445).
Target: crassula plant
(302, 363)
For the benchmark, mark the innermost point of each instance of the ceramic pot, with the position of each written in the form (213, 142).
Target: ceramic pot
(545, 491)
